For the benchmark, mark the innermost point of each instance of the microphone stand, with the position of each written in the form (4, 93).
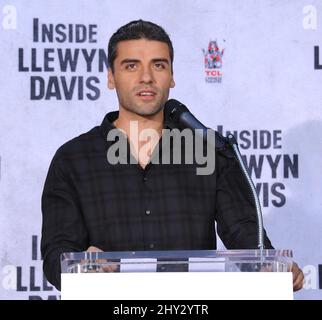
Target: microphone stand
(179, 115)
(260, 232)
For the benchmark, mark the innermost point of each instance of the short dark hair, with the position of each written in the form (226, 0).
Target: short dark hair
(134, 30)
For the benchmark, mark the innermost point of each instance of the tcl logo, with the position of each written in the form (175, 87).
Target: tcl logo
(213, 73)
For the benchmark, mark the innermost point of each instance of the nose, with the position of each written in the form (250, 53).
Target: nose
(147, 75)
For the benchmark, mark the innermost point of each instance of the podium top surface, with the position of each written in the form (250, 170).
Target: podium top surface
(177, 261)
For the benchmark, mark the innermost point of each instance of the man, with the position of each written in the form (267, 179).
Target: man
(92, 204)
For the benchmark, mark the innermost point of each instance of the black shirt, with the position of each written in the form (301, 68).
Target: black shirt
(89, 202)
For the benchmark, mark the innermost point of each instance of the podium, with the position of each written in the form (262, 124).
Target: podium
(177, 275)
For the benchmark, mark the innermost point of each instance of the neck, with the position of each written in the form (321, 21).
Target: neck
(154, 122)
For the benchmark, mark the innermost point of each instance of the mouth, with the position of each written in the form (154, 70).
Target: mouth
(146, 95)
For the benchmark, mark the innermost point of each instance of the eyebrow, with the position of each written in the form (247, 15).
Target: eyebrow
(137, 60)
(160, 60)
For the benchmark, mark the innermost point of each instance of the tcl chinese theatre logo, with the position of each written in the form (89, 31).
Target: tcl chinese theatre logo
(213, 62)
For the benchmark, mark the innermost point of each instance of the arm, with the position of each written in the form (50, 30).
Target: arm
(63, 228)
(235, 211)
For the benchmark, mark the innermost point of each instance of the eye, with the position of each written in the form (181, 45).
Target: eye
(159, 65)
(130, 66)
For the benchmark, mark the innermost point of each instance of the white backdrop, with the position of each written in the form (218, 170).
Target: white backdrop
(267, 86)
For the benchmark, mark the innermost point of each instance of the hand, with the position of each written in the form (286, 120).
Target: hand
(104, 268)
(93, 249)
(298, 277)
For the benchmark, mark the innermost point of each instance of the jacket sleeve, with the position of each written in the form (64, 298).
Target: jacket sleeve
(235, 209)
(63, 228)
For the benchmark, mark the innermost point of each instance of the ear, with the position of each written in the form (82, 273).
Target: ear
(110, 79)
(172, 83)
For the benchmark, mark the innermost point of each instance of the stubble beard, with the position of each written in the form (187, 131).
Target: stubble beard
(145, 109)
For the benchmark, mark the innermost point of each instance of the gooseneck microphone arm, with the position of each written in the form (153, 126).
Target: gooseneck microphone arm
(180, 117)
(260, 232)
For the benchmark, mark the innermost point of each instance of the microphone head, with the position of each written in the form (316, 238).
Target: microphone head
(173, 109)
(177, 115)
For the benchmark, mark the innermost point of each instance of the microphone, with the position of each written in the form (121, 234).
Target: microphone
(178, 116)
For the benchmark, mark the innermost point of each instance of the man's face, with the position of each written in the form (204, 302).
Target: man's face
(142, 76)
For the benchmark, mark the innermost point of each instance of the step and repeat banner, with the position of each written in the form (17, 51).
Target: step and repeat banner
(253, 68)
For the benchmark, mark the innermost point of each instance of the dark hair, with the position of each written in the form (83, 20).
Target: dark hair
(135, 30)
